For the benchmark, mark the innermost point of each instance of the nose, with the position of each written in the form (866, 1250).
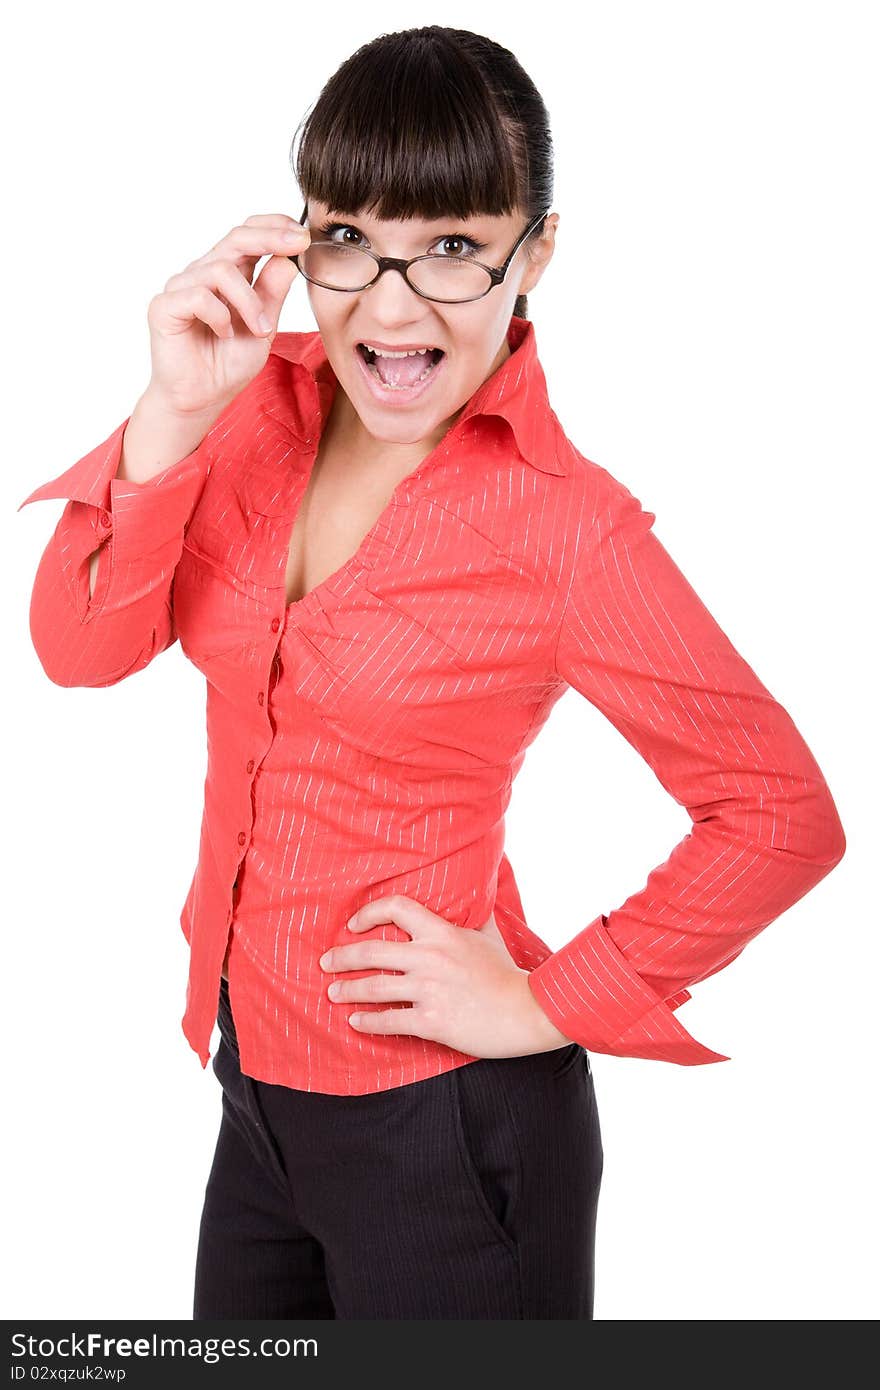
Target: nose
(391, 286)
(393, 303)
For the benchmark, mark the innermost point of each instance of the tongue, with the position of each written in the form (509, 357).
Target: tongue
(402, 371)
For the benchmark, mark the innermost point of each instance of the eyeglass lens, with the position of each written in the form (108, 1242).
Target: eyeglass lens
(347, 268)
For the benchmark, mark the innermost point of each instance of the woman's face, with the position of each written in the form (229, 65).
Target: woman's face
(473, 336)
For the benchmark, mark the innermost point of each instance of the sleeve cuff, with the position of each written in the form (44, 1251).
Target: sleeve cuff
(592, 994)
(143, 521)
(92, 479)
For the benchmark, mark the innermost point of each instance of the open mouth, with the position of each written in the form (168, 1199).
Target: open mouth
(400, 373)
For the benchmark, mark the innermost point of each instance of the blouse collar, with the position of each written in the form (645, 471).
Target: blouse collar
(516, 391)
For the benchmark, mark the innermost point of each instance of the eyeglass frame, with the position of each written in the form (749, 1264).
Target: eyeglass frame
(497, 273)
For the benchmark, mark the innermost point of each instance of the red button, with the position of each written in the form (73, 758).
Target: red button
(250, 766)
(276, 623)
(260, 698)
(106, 519)
(241, 837)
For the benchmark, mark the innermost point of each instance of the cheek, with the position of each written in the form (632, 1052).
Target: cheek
(330, 310)
(473, 364)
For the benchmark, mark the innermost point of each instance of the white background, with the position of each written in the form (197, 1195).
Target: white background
(708, 328)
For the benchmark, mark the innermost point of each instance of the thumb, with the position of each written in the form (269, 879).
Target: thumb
(273, 283)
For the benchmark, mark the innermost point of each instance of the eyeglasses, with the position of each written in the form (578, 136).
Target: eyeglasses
(446, 279)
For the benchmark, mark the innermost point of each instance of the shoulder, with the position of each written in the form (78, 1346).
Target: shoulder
(543, 514)
(568, 513)
(280, 400)
(592, 489)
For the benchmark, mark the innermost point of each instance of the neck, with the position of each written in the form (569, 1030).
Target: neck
(347, 431)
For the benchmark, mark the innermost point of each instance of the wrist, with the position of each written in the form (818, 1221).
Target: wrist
(154, 405)
(541, 1030)
(156, 437)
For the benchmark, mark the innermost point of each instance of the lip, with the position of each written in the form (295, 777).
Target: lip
(389, 395)
(397, 347)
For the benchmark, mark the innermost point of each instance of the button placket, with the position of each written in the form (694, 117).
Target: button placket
(261, 700)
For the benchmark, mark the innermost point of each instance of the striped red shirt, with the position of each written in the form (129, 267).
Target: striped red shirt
(364, 739)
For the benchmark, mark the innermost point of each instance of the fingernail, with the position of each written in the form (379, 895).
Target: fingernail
(292, 234)
(265, 323)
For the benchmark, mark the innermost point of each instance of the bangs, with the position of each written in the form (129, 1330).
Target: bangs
(409, 128)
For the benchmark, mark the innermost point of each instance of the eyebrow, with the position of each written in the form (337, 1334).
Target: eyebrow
(340, 215)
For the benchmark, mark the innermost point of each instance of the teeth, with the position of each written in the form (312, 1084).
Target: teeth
(412, 352)
(386, 386)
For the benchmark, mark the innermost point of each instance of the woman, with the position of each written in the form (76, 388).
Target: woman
(380, 547)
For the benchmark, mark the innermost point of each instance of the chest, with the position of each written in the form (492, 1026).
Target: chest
(412, 620)
(341, 504)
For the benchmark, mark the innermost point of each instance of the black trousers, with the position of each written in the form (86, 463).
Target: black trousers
(467, 1195)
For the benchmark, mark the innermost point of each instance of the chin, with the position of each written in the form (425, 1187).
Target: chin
(399, 431)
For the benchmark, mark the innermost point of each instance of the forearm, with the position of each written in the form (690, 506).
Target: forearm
(101, 603)
(154, 438)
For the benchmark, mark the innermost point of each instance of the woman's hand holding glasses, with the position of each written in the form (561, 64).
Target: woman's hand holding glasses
(211, 328)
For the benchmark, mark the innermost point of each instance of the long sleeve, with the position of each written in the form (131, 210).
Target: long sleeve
(128, 620)
(638, 643)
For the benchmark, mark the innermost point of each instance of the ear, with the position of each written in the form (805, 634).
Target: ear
(539, 254)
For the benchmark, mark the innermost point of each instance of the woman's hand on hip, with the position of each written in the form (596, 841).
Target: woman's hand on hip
(461, 984)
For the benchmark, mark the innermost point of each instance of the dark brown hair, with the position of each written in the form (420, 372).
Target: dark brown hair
(428, 122)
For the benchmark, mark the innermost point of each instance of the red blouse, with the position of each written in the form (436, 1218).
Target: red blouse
(364, 739)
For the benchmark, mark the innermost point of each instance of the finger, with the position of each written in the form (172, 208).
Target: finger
(266, 295)
(270, 219)
(273, 284)
(367, 955)
(226, 280)
(240, 293)
(404, 912)
(404, 1021)
(250, 243)
(372, 989)
(244, 246)
(175, 312)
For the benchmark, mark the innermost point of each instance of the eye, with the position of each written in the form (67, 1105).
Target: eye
(459, 247)
(329, 228)
(463, 247)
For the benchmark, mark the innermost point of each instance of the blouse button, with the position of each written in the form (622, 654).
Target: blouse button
(250, 766)
(241, 837)
(105, 519)
(260, 698)
(276, 623)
